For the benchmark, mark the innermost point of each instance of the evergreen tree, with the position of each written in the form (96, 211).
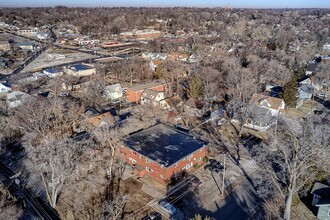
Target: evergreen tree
(195, 87)
(290, 93)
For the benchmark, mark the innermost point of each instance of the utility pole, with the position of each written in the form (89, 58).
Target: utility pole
(224, 175)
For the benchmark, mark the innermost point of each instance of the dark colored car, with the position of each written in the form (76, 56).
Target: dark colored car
(216, 164)
(215, 170)
(153, 216)
(195, 181)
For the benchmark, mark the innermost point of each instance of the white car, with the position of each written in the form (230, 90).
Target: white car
(166, 206)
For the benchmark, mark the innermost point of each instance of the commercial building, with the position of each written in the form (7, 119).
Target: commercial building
(80, 70)
(141, 34)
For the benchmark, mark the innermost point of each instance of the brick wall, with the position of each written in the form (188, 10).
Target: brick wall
(157, 172)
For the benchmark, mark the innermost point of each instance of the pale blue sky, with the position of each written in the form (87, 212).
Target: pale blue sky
(172, 3)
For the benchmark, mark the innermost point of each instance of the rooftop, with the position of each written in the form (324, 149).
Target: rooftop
(163, 144)
(80, 67)
(321, 189)
(260, 115)
(275, 103)
(53, 70)
(139, 87)
(150, 94)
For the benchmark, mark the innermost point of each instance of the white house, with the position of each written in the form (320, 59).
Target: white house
(152, 97)
(259, 118)
(113, 92)
(4, 88)
(16, 98)
(275, 105)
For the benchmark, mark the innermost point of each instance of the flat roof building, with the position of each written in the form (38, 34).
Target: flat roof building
(162, 151)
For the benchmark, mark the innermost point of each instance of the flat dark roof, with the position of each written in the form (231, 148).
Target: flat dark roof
(163, 144)
(80, 67)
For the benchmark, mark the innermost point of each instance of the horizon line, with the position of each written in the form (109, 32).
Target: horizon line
(214, 7)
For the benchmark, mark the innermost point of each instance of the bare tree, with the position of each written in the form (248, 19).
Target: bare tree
(296, 153)
(52, 165)
(49, 119)
(113, 210)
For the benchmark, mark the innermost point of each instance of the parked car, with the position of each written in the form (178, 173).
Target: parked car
(195, 181)
(216, 164)
(167, 207)
(153, 216)
(215, 170)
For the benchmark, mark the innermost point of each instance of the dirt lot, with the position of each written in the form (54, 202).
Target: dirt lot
(136, 198)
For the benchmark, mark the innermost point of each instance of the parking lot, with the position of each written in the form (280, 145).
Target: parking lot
(205, 196)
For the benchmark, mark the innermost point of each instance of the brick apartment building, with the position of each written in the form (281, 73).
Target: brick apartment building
(133, 93)
(162, 151)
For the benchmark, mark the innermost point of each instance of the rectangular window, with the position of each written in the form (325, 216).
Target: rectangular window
(190, 156)
(148, 160)
(133, 152)
(176, 164)
(141, 157)
(161, 176)
(149, 170)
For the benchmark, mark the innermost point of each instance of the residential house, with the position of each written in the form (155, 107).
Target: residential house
(162, 152)
(27, 45)
(133, 93)
(154, 56)
(275, 105)
(53, 72)
(305, 91)
(178, 56)
(104, 119)
(80, 70)
(259, 118)
(173, 102)
(16, 98)
(193, 59)
(113, 92)
(4, 88)
(154, 64)
(321, 199)
(153, 97)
